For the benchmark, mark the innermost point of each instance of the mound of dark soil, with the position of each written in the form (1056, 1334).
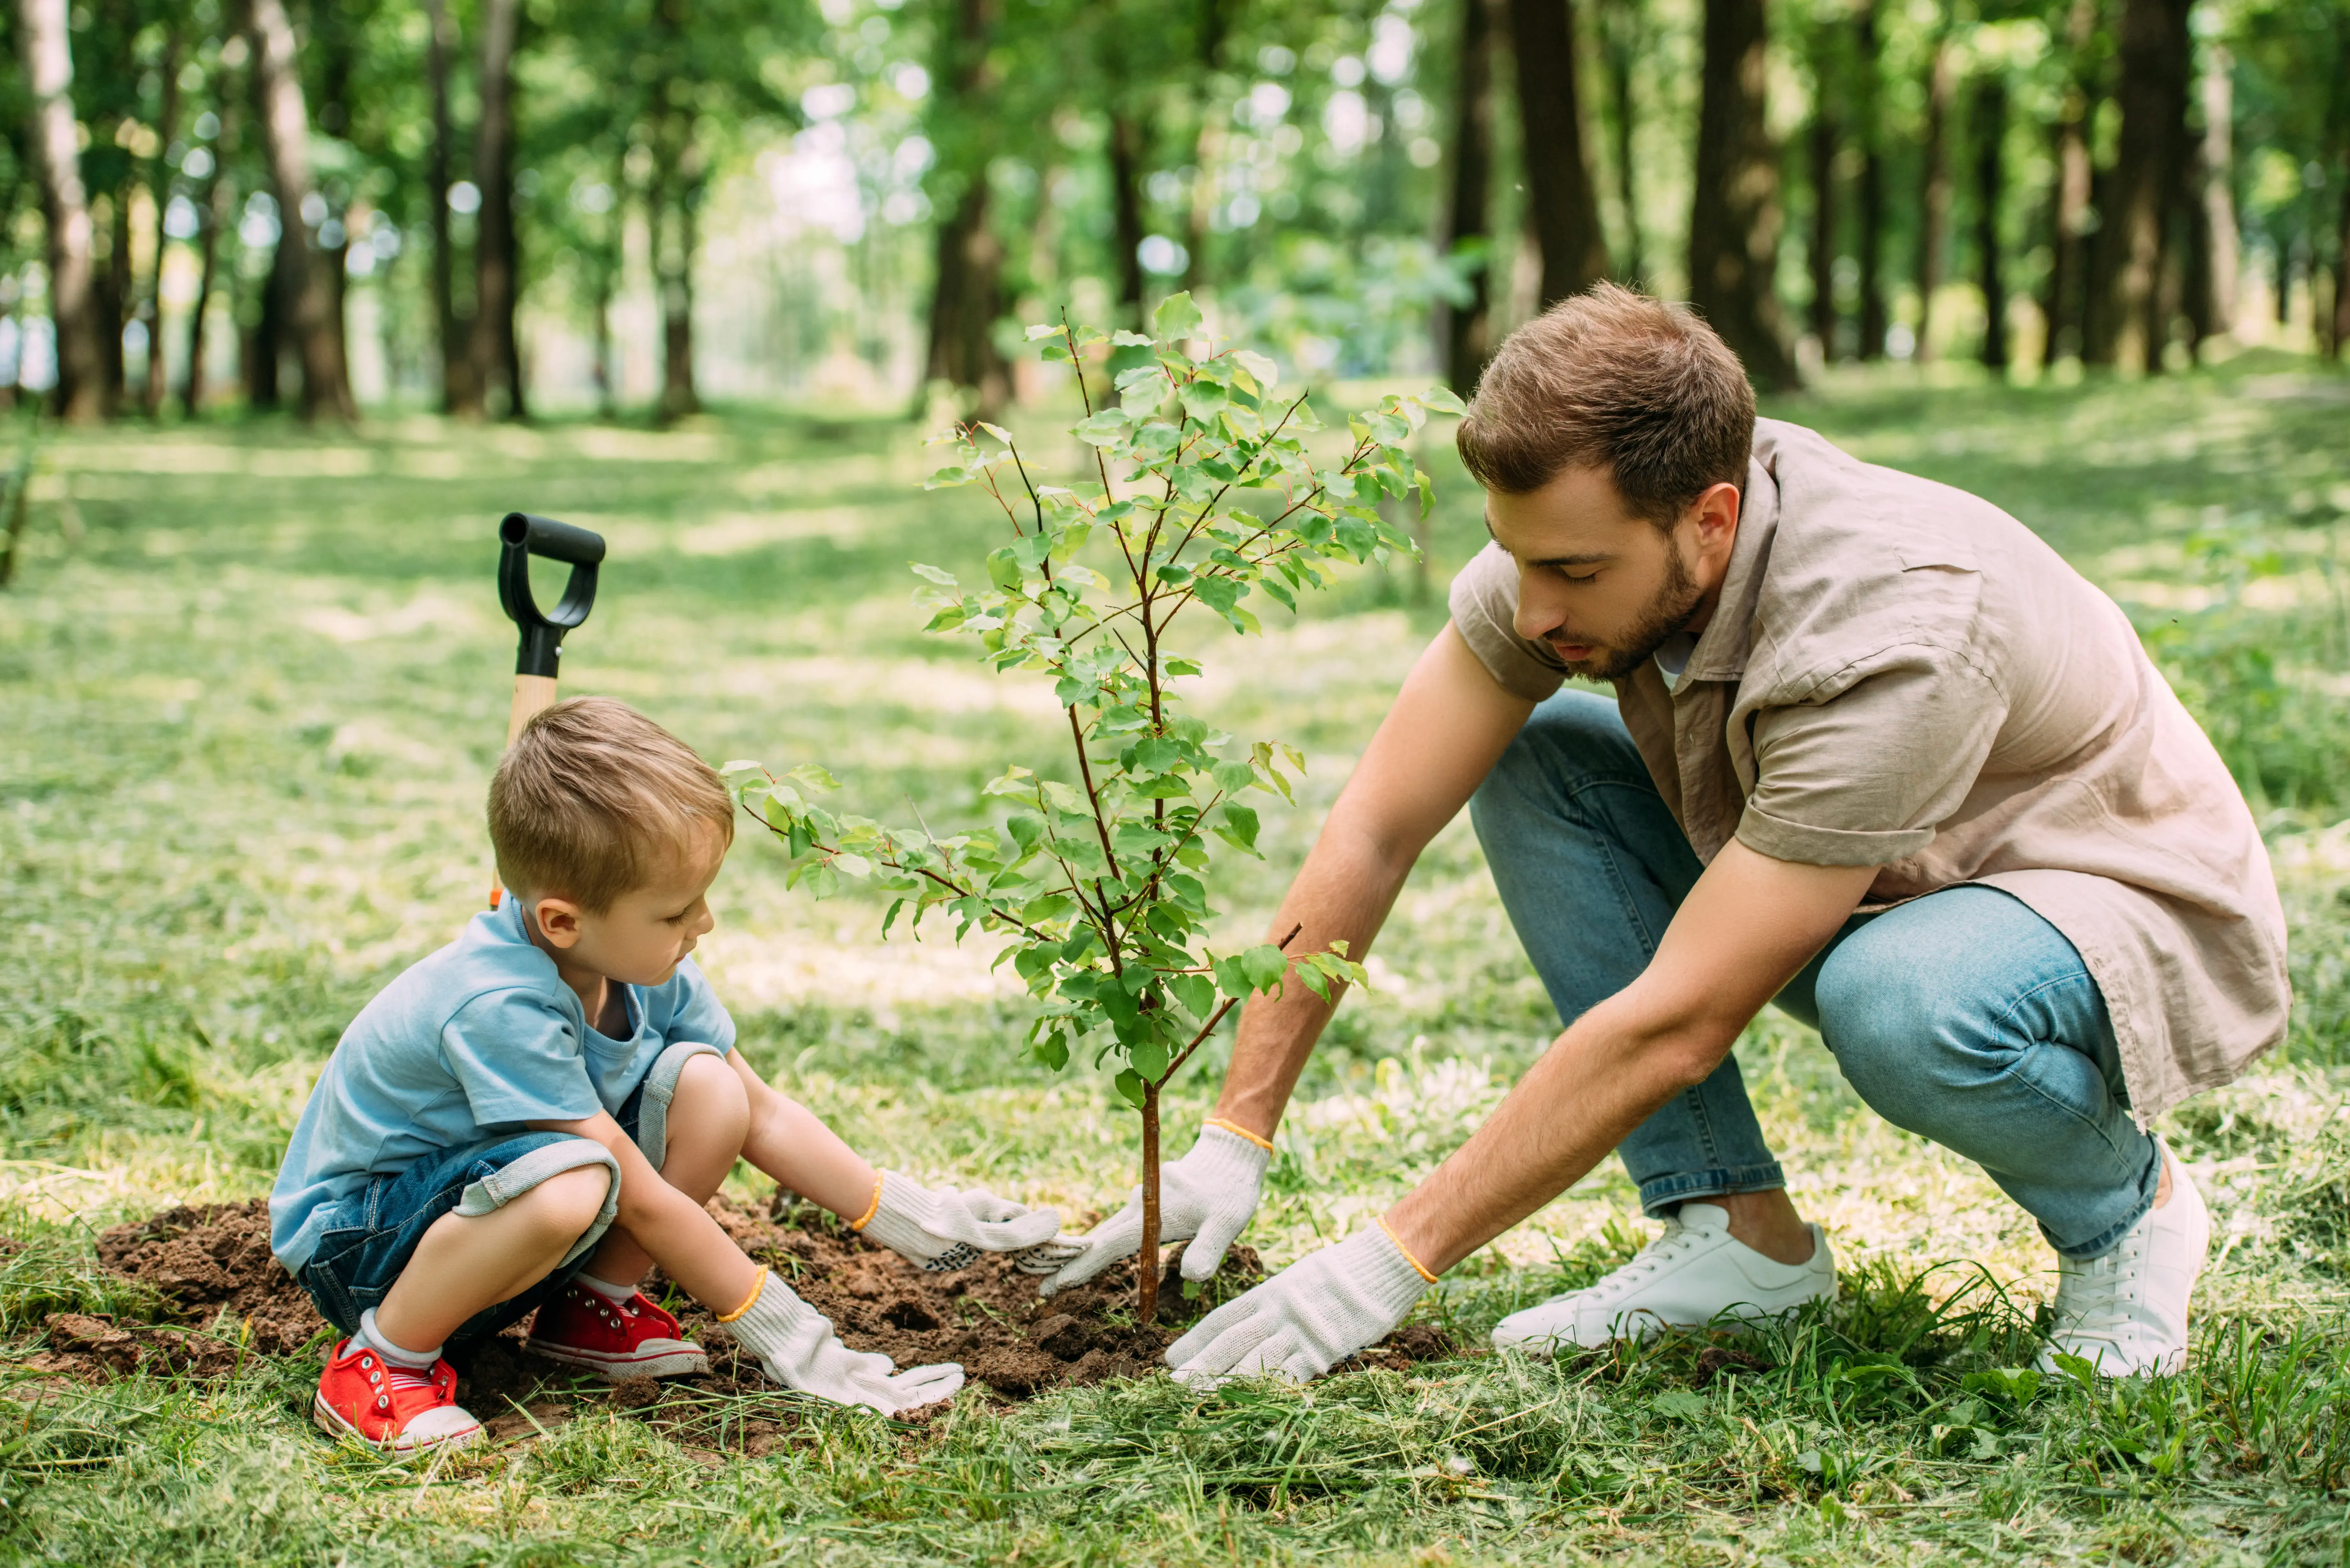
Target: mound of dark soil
(988, 1317)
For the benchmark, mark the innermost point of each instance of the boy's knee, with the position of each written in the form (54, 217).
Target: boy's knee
(709, 1101)
(564, 1205)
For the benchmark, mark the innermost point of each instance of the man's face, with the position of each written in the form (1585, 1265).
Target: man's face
(647, 931)
(1605, 588)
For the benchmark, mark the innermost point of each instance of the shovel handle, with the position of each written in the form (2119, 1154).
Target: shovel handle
(533, 695)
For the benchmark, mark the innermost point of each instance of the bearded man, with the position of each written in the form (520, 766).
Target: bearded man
(1876, 755)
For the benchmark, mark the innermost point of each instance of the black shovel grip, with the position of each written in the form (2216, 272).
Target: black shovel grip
(522, 537)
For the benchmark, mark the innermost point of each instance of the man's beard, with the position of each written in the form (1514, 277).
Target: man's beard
(1666, 616)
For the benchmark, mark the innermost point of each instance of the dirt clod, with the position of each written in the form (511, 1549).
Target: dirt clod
(217, 1256)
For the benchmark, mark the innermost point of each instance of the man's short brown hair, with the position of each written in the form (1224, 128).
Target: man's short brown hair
(592, 796)
(1616, 380)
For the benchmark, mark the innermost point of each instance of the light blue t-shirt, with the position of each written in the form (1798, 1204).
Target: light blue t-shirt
(465, 1047)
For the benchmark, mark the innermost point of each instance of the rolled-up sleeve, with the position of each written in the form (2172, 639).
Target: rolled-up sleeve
(1485, 604)
(1864, 777)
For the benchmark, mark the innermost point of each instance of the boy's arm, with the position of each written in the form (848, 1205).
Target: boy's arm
(787, 1142)
(680, 1234)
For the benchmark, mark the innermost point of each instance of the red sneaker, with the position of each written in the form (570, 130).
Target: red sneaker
(633, 1339)
(362, 1396)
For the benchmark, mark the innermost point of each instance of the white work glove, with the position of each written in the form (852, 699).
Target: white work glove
(1308, 1318)
(797, 1346)
(947, 1229)
(1206, 1197)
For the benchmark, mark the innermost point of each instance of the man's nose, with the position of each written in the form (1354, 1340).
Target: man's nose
(1536, 618)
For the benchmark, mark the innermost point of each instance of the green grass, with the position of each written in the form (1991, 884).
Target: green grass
(253, 681)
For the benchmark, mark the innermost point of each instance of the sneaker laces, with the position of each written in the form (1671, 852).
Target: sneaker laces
(2089, 1286)
(1676, 1240)
(398, 1379)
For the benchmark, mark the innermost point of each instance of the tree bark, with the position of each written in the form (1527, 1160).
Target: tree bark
(1825, 140)
(159, 185)
(967, 295)
(1734, 220)
(2223, 262)
(1934, 188)
(2156, 52)
(495, 356)
(1989, 126)
(1563, 203)
(459, 392)
(115, 299)
(1869, 253)
(286, 138)
(2064, 309)
(219, 215)
(2341, 333)
(677, 186)
(1463, 332)
(43, 41)
(1208, 145)
(1620, 42)
(1126, 155)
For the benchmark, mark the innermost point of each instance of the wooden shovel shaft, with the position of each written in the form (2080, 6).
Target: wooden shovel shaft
(533, 695)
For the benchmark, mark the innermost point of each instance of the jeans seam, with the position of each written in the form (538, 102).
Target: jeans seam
(2015, 1069)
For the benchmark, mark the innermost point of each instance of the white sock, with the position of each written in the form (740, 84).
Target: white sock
(605, 1288)
(375, 1339)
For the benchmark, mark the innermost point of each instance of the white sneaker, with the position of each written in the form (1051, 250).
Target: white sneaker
(1693, 1273)
(2125, 1312)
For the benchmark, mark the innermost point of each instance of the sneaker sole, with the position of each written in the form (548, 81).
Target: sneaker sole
(331, 1421)
(620, 1368)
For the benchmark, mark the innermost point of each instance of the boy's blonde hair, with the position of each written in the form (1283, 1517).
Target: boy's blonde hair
(591, 796)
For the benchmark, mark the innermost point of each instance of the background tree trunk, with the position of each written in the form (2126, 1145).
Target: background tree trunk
(2217, 171)
(43, 42)
(1734, 221)
(285, 137)
(495, 354)
(1870, 98)
(2064, 307)
(1126, 155)
(2155, 54)
(1562, 203)
(968, 295)
(218, 216)
(459, 393)
(679, 395)
(115, 299)
(1621, 40)
(159, 188)
(1823, 142)
(1987, 125)
(1934, 187)
(1463, 331)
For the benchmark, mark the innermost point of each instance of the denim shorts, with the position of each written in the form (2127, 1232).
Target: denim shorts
(374, 1232)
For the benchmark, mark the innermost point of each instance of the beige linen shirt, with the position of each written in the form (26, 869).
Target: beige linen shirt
(1901, 675)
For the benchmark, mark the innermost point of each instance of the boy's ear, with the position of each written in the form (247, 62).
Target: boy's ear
(557, 921)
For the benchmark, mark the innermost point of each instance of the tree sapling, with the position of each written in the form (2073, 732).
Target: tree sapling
(1202, 491)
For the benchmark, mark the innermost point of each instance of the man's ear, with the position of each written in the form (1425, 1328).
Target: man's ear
(557, 921)
(1716, 510)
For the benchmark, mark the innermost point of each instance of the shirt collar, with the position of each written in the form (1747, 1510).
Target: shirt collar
(1721, 653)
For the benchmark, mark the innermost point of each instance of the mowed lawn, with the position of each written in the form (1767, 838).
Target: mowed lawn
(253, 681)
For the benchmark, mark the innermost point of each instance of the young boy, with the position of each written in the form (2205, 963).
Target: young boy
(530, 1118)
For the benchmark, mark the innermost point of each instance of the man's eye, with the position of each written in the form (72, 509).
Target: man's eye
(1586, 577)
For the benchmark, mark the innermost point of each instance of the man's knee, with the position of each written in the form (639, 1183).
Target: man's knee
(1900, 1033)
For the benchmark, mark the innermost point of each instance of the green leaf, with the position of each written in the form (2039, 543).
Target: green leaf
(1444, 401)
(944, 579)
(1175, 319)
(1053, 1051)
(1263, 371)
(1197, 992)
(1149, 1058)
(1124, 339)
(1264, 965)
(1107, 427)
(1243, 822)
(1129, 1085)
(1679, 1404)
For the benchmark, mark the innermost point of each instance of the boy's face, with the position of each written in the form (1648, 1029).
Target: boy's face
(641, 938)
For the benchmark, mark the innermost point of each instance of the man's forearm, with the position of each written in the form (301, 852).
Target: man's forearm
(1597, 1082)
(1342, 894)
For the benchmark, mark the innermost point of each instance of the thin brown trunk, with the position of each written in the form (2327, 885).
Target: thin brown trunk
(285, 137)
(1934, 189)
(1734, 221)
(1464, 330)
(680, 396)
(2124, 329)
(2342, 270)
(2065, 306)
(1990, 131)
(1869, 252)
(1146, 1262)
(159, 186)
(459, 392)
(219, 214)
(494, 349)
(1825, 141)
(966, 297)
(1126, 155)
(1619, 33)
(2223, 261)
(115, 299)
(1562, 203)
(42, 40)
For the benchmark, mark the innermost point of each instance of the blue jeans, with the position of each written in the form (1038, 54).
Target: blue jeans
(1961, 1016)
(375, 1232)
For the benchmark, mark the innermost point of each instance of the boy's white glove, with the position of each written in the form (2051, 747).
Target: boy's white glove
(1308, 1317)
(797, 1346)
(947, 1229)
(1206, 1197)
